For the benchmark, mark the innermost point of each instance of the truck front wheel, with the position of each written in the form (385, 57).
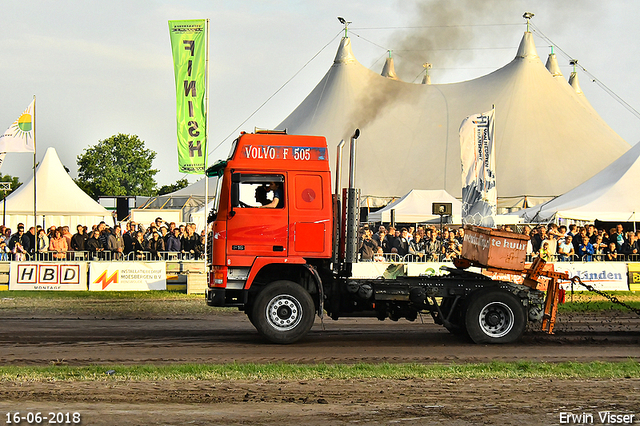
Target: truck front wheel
(283, 312)
(495, 316)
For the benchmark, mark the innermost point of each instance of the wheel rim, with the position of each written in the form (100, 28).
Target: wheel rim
(284, 312)
(496, 319)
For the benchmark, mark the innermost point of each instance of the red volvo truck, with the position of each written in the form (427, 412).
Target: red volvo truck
(283, 264)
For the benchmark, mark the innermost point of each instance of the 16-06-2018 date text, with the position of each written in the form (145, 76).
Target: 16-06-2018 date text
(49, 418)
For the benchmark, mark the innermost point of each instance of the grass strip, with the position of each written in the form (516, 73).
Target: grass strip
(492, 370)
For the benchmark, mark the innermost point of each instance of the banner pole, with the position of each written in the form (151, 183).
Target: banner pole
(35, 197)
(206, 147)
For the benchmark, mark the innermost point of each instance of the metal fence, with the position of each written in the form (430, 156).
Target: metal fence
(104, 256)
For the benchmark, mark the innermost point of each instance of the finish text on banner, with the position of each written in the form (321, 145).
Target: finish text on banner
(188, 45)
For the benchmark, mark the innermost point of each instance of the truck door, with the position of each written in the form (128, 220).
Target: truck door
(258, 224)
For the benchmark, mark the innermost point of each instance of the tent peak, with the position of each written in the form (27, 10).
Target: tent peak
(573, 81)
(344, 54)
(388, 70)
(527, 48)
(552, 65)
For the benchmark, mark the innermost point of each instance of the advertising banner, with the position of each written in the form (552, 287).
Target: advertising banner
(188, 45)
(127, 276)
(479, 194)
(48, 276)
(634, 276)
(607, 276)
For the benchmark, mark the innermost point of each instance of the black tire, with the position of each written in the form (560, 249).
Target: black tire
(283, 312)
(495, 316)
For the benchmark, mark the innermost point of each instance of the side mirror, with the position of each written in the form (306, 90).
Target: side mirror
(235, 193)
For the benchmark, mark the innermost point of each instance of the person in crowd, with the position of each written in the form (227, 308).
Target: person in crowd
(19, 252)
(115, 243)
(189, 242)
(618, 237)
(42, 244)
(20, 237)
(451, 251)
(573, 230)
(585, 248)
(51, 233)
(432, 248)
(417, 248)
(164, 234)
(4, 251)
(379, 256)
(128, 237)
(553, 245)
(611, 252)
(538, 237)
(93, 245)
(598, 248)
(173, 241)
(58, 245)
(391, 239)
(79, 239)
(139, 245)
(367, 246)
(402, 243)
(200, 246)
(460, 236)
(544, 252)
(631, 248)
(67, 235)
(31, 235)
(155, 245)
(566, 251)
(379, 236)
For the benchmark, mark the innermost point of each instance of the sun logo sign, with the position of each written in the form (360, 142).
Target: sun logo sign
(19, 136)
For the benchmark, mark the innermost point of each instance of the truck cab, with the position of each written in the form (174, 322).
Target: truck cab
(256, 242)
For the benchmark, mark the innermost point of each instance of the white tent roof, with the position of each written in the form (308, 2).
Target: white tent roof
(608, 196)
(415, 207)
(196, 189)
(410, 131)
(59, 199)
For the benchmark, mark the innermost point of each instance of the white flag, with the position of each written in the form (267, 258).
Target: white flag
(19, 136)
(479, 195)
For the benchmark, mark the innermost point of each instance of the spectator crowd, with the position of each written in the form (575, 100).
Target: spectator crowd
(552, 243)
(159, 241)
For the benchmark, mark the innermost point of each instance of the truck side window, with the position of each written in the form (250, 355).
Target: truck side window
(261, 191)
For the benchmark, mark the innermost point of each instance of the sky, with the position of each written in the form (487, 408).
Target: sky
(101, 68)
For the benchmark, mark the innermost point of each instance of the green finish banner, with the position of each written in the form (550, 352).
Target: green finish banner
(188, 45)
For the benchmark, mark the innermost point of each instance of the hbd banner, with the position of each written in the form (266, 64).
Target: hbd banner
(188, 45)
(48, 276)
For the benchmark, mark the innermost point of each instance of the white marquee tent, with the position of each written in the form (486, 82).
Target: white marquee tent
(410, 136)
(59, 201)
(609, 196)
(415, 207)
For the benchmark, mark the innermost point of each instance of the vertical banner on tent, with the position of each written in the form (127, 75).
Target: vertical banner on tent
(188, 45)
(479, 195)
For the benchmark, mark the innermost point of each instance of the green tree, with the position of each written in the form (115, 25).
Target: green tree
(15, 183)
(120, 165)
(167, 189)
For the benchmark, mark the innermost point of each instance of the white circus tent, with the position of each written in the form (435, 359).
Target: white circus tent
(415, 207)
(409, 132)
(609, 196)
(59, 201)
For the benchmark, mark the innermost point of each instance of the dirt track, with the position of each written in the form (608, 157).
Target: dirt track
(228, 337)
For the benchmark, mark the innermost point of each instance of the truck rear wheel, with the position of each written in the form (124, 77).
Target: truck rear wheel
(283, 312)
(495, 316)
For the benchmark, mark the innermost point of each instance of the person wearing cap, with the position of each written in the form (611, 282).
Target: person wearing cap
(20, 237)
